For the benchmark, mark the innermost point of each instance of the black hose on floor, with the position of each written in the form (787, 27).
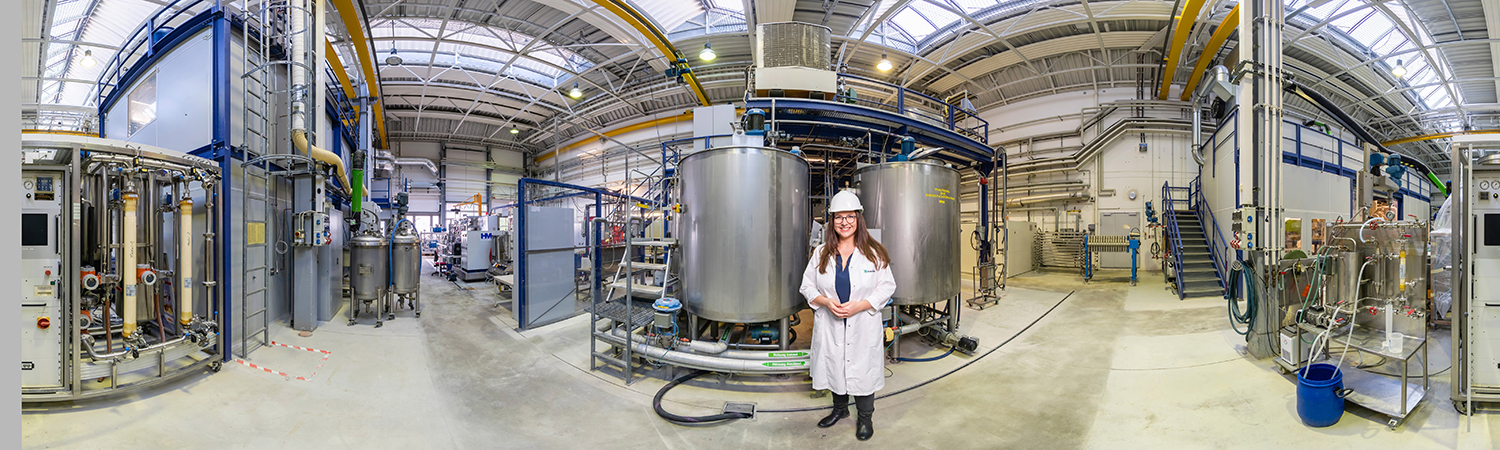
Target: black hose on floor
(686, 420)
(939, 377)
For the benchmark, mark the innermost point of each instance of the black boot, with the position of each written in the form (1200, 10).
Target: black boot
(863, 426)
(840, 411)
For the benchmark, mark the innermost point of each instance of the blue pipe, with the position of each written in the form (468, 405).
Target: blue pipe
(935, 358)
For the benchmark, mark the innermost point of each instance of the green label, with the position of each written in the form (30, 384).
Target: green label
(784, 363)
(786, 354)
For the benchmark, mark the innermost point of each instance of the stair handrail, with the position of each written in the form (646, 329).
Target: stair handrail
(1169, 209)
(1206, 217)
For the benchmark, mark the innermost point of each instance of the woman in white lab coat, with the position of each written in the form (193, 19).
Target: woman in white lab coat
(847, 281)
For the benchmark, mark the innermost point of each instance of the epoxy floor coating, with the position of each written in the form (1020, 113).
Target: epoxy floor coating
(1113, 366)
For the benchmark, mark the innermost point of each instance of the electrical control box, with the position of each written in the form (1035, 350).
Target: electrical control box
(1483, 307)
(41, 272)
(311, 229)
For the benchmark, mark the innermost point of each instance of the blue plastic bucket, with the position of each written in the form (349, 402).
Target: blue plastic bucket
(1320, 395)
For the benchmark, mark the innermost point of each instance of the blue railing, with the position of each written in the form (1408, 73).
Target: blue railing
(140, 44)
(1170, 205)
(1217, 246)
(939, 111)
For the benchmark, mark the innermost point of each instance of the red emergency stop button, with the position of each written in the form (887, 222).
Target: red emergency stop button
(43, 322)
(49, 273)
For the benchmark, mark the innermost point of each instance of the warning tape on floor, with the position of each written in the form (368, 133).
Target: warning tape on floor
(326, 352)
(308, 378)
(268, 370)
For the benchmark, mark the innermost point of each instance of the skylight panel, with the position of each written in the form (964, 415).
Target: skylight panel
(728, 5)
(913, 23)
(939, 16)
(1322, 12)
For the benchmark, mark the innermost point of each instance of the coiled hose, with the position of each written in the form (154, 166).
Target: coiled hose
(690, 420)
(935, 358)
(1236, 317)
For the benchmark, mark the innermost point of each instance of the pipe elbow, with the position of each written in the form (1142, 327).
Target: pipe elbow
(299, 139)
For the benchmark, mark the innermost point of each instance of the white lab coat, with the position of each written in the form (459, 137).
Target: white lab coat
(848, 354)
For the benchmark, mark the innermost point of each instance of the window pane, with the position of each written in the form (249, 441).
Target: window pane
(142, 109)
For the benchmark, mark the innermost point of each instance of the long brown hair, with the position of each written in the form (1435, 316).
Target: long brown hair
(866, 245)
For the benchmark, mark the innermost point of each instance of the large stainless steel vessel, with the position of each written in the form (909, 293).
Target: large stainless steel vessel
(367, 267)
(914, 204)
(406, 261)
(744, 233)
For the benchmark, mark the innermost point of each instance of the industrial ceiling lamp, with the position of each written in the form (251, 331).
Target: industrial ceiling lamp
(1400, 69)
(575, 93)
(708, 53)
(514, 130)
(884, 65)
(88, 59)
(394, 59)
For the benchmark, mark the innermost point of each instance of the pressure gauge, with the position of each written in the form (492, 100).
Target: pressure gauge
(29, 185)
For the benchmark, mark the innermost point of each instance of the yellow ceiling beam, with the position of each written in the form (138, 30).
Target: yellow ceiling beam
(364, 54)
(1221, 34)
(658, 38)
(1179, 38)
(1428, 137)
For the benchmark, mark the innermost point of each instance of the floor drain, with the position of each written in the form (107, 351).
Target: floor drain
(738, 407)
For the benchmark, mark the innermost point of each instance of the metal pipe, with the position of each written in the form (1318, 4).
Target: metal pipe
(719, 349)
(1031, 200)
(714, 363)
(915, 324)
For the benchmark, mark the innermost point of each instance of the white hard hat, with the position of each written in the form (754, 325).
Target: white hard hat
(845, 201)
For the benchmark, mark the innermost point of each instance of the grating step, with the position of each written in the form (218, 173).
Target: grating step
(636, 265)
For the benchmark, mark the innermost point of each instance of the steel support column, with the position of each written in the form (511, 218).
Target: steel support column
(1260, 113)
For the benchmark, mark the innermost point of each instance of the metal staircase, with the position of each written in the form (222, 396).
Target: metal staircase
(1195, 267)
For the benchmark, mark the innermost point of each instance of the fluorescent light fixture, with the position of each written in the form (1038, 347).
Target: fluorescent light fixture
(88, 59)
(708, 53)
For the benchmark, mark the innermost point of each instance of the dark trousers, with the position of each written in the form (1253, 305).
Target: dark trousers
(863, 403)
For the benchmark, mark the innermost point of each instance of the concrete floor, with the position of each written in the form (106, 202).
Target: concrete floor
(1113, 367)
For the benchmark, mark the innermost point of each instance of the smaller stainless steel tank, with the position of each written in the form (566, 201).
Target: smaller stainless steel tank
(367, 267)
(406, 261)
(914, 204)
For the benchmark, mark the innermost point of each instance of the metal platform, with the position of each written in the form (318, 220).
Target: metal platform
(1383, 394)
(641, 313)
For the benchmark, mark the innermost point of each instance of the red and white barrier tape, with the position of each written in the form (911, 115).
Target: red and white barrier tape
(268, 370)
(321, 362)
(326, 352)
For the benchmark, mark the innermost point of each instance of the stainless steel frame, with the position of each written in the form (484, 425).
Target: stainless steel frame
(198, 342)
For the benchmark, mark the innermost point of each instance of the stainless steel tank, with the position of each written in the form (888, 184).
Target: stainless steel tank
(406, 261)
(367, 256)
(744, 233)
(914, 204)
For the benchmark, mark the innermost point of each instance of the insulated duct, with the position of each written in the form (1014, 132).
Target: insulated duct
(387, 157)
(299, 74)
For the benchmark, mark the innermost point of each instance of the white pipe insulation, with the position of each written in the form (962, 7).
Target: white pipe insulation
(299, 115)
(127, 263)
